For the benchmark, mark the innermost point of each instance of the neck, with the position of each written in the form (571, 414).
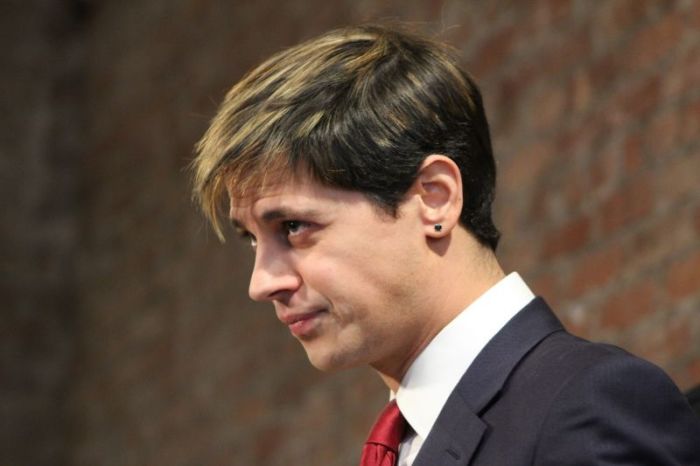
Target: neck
(454, 281)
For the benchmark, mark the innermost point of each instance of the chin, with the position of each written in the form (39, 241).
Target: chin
(328, 362)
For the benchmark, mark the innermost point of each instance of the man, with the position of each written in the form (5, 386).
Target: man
(359, 166)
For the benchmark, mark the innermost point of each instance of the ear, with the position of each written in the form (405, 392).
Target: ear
(439, 189)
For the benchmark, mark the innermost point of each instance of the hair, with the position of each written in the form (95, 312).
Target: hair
(358, 109)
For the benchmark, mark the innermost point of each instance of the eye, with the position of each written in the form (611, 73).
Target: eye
(247, 236)
(293, 227)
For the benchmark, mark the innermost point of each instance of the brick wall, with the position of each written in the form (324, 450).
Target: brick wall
(594, 112)
(40, 142)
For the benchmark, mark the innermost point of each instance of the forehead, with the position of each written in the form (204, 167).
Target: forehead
(283, 185)
(289, 194)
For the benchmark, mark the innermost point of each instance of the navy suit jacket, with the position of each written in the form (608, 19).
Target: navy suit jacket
(539, 396)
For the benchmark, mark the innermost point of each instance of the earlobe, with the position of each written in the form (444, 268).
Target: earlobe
(439, 185)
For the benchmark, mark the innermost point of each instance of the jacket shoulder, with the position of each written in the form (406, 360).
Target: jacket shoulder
(607, 406)
(570, 401)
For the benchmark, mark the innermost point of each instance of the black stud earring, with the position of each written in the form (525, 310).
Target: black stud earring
(438, 227)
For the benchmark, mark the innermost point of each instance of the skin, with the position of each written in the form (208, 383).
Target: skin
(356, 285)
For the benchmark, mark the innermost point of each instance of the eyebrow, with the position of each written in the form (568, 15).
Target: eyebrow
(278, 213)
(284, 212)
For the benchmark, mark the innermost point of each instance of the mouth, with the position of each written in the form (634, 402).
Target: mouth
(302, 325)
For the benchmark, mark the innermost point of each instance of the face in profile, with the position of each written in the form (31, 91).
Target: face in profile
(342, 275)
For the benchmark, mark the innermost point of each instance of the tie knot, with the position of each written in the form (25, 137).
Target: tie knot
(389, 428)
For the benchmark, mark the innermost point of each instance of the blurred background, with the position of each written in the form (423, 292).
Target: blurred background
(126, 336)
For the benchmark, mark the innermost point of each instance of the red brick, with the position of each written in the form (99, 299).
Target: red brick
(650, 345)
(575, 191)
(678, 181)
(507, 101)
(538, 211)
(566, 52)
(547, 285)
(630, 102)
(641, 99)
(596, 269)
(568, 238)
(581, 92)
(579, 137)
(626, 307)
(683, 278)
(690, 124)
(607, 70)
(579, 329)
(667, 340)
(693, 371)
(548, 14)
(632, 150)
(520, 251)
(578, 320)
(661, 137)
(526, 166)
(683, 75)
(623, 15)
(558, 10)
(693, 17)
(603, 169)
(551, 105)
(678, 336)
(556, 199)
(267, 443)
(557, 56)
(494, 52)
(630, 203)
(654, 42)
(658, 240)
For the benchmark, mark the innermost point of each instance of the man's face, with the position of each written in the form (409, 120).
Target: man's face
(343, 276)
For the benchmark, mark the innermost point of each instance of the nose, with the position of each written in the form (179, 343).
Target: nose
(274, 276)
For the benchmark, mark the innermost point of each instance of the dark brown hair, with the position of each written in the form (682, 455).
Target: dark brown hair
(358, 109)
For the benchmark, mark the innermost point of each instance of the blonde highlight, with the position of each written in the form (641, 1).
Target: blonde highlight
(357, 108)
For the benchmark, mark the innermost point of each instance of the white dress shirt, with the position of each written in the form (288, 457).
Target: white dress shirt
(436, 371)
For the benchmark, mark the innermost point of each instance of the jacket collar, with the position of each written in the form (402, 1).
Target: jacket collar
(458, 429)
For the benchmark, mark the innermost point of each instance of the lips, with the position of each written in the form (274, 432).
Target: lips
(302, 325)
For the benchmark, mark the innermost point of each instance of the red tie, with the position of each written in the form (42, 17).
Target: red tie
(382, 446)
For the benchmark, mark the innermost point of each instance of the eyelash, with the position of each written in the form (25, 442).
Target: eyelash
(247, 236)
(290, 225)
(289, 229)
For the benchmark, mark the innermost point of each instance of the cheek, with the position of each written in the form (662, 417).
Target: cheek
(343, 285)
(364, 274)
(362, 289)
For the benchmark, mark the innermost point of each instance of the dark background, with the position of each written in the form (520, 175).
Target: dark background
(126, 337)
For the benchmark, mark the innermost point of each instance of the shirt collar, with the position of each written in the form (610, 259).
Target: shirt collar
(436, 371)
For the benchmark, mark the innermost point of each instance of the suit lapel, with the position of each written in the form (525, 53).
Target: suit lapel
(454, 437)
(458, 430)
